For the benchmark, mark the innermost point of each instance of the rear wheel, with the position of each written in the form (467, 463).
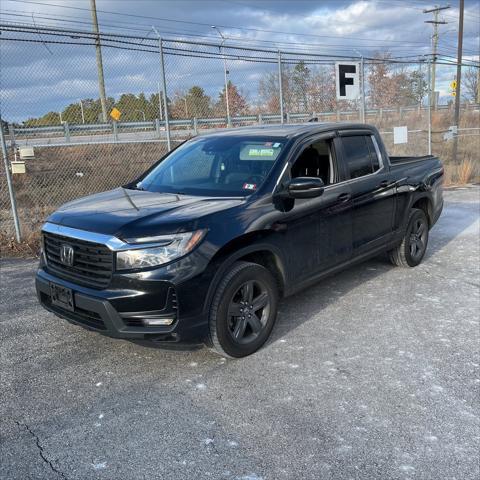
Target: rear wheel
(243, 310)
(414, 244)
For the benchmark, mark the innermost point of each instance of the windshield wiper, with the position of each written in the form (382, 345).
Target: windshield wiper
(134, 187)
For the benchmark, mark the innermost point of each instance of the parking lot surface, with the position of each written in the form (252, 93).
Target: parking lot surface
(371, 374)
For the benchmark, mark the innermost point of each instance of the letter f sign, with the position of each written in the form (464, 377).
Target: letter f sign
(347, 81)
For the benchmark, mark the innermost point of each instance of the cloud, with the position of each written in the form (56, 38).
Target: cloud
(36, 79)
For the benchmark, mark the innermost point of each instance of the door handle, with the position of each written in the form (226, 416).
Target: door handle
(384, 183)
(343, 197)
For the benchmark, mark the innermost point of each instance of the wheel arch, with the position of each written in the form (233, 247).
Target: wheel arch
(251, 247)
(424, 203)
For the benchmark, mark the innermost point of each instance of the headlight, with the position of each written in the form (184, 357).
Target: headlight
(170, 247)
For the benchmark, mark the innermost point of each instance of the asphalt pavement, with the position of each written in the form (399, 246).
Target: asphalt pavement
(371, 374)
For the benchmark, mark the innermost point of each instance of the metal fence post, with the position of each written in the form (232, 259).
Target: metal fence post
(157, 127)
(195, 125)
(164, 89)
(11, 192)
(362, 86)
(280, 85)
(66, 129)
(11, 132)
(260, 120)
(115, 131)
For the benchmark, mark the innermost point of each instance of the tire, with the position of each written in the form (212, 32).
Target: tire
(236, 328)
(414, 244)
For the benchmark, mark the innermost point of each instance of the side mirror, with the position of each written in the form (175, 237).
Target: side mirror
(305, 187)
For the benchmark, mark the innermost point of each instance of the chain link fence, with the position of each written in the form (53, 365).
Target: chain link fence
(60, 147)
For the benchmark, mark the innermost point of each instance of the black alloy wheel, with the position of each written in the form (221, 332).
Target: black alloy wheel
(418, 238)
(243, 310)
(248, 311)
(414, 243)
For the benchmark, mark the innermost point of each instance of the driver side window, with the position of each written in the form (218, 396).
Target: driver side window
(315, 161)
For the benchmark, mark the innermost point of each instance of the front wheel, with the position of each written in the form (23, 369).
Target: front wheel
(414, 244)
(244, 310)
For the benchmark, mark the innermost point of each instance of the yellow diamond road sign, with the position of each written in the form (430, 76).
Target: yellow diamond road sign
(453, 85)
(115, 114)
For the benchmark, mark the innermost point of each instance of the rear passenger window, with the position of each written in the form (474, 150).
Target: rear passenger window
(360, 155)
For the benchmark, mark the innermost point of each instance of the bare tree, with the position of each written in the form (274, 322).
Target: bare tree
(470, 84)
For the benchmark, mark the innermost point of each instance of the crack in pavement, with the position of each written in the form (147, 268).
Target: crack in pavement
(41, 449)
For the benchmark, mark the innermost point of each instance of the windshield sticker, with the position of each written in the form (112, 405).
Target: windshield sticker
(249, 186)
(261, 152)
(265, 151)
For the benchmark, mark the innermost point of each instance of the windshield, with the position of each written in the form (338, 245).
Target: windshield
(216, 166)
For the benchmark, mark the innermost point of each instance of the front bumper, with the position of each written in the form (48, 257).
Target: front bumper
(119, 313)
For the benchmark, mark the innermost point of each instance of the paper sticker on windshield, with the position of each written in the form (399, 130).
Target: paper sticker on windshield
(249, 186)
(267, 151)
(261, 152)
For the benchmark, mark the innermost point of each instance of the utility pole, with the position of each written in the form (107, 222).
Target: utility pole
(98, 48)
(435, 22)
(429, 106)
(456, 120)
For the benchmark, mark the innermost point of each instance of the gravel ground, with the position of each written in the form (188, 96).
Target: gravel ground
(371, 374)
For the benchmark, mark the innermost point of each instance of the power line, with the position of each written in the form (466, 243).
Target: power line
(186, 48)
(339, 47)
(107, 36)
(209, 25)
(238, 39)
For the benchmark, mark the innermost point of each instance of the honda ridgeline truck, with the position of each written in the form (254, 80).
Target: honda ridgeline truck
(203, 245)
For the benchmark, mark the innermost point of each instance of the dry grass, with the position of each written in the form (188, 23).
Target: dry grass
(29, 246)
(465, 171)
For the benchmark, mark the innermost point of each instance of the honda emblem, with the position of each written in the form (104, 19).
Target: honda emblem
(66, 255)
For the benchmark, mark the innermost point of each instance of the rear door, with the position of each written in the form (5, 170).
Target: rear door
(373, 191)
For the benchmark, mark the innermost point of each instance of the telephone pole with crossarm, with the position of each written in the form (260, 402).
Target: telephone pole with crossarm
(435, 22)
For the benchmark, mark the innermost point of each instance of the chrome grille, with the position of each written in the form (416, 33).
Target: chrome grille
(92, 262)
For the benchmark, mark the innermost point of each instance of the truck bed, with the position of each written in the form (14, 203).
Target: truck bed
(402, 160)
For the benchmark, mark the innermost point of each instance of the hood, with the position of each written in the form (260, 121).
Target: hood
(135, 213)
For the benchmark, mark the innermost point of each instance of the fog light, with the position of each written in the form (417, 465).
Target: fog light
(155, 322)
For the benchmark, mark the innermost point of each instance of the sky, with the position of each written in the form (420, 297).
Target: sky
(40, 77)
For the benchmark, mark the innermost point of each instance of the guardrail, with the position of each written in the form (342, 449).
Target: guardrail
(155, 130)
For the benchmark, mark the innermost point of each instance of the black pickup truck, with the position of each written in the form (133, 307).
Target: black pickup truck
(202, 246)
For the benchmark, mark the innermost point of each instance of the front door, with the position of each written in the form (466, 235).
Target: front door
(318, 231)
